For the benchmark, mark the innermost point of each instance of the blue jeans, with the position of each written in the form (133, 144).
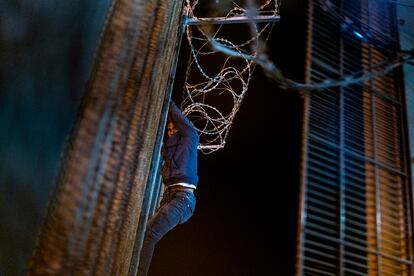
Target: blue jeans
(176, 208)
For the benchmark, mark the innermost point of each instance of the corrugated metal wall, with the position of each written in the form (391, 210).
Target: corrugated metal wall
(112, 154)
(356, 213)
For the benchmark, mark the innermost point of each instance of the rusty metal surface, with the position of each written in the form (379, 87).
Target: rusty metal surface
(94, 211)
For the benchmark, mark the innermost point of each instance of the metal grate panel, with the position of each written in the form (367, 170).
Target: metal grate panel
(356, 211)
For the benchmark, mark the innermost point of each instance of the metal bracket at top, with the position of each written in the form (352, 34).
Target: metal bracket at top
(188, 20)
(233, 20)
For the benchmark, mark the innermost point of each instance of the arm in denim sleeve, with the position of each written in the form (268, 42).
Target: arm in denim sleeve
(181, 122)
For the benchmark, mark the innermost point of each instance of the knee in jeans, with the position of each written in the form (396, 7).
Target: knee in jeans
(151, 234)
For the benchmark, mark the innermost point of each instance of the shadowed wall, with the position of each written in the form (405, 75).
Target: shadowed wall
(47, 49)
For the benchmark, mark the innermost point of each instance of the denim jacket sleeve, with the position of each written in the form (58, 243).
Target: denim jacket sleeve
(181, 122)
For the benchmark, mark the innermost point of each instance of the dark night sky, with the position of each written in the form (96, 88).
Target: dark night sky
(246, 214)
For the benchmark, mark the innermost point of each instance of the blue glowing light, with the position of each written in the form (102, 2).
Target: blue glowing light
(360, 36)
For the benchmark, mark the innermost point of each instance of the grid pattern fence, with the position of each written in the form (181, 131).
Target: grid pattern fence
(356, 202)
